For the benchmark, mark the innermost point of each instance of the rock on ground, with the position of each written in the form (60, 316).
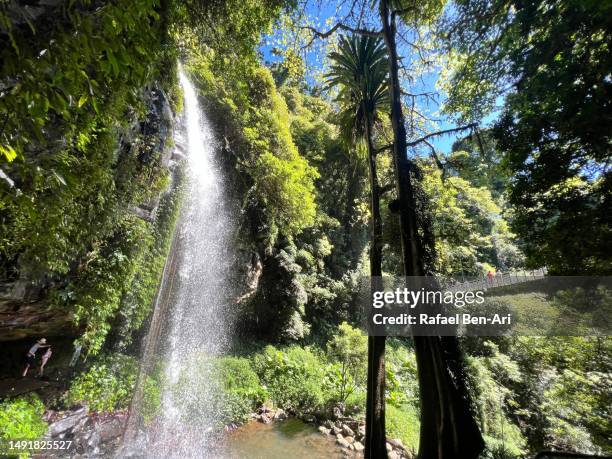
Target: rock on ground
(67, 423)
(346, 430)
(93, 434)
(342, 442)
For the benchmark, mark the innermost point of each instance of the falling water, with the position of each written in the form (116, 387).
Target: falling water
(196, 326)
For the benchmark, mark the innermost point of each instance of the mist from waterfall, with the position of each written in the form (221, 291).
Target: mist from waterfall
(196, 325)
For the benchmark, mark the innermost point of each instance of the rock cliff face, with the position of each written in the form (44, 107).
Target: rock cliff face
(24, 313)
(24, 307)
(269, 298)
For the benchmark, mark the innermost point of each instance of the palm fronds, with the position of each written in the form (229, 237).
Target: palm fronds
(359, 70)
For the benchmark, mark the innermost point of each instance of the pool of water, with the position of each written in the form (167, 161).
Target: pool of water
(281, 440)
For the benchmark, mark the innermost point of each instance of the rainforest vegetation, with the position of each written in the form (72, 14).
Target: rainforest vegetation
(484, 125)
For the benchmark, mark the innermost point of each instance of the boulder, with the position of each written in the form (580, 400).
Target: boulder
(393, 455)
(280, 415)
(87, 440)
(323, 430)
(93, 440)
(342, 442)
(110, 430)
(389, 447)
(21, 319)
(335, 430)
(349, 439)
(346, 430)
(358, 446)
(67, 423)
(264, 418)
(82, 425)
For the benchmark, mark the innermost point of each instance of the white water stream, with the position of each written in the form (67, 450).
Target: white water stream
(197, 289)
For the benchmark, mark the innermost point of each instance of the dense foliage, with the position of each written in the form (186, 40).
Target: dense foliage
(107, 385)
(555, 128)
(88, 205)
(84, 138)
(21, 418)
(282, 181)
(61, 75)
(472, 238)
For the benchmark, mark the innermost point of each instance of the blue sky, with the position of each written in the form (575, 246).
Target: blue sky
(313, 58)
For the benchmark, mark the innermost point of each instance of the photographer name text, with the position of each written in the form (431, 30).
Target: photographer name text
(441, 319)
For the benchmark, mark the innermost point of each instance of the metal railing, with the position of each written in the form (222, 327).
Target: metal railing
(499, 280)
(563, 455)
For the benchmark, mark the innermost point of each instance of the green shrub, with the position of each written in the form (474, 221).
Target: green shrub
(21, 418)
(151, 401)
(349, 348)
(152, 392)
(403, 423)
(401, 375)
(503, 437)
(499, 449)
(107, 385)
(355, 403)
(293, 377)
(241, 388)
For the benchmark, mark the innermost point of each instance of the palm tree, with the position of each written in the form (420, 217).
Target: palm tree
(360, 71)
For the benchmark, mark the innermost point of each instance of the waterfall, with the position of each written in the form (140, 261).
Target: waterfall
(195, 292)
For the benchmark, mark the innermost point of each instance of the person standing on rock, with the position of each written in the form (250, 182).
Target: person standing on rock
(45, 358)
(31, 355)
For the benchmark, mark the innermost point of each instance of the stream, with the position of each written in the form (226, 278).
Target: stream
(274, 441)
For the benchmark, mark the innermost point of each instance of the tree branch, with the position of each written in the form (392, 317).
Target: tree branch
(418, 94)
(383, 148)
(340, 26)
(435, 156)
(435, 134)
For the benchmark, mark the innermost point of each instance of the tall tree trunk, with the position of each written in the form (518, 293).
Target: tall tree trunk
(352, 192)
(375, 439)
(448, 428)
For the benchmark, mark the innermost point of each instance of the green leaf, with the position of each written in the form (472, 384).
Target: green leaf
(8, 152)
(82, 100)
(113, 62)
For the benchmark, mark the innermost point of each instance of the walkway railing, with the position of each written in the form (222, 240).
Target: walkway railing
(499, 280)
